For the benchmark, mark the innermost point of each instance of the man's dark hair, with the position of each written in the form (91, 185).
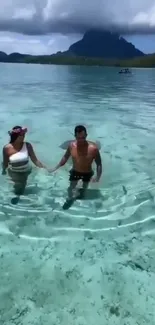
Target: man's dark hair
(79, 129)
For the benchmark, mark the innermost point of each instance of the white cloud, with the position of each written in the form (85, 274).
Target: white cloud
(66, 16)
(11, 42)
(24, 13)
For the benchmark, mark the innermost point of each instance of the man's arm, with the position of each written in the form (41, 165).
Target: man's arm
(5, 161)
(98, 162)
(64, 159)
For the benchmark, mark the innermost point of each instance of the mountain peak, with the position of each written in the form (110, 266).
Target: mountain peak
(104, 44)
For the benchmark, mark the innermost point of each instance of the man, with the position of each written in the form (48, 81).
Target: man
(83, 154)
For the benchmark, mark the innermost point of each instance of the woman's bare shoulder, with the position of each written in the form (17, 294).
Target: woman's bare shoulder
(7, 147)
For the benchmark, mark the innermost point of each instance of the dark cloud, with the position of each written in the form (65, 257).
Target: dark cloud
(40, 17)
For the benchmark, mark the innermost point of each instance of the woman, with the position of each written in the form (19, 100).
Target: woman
(16, 156)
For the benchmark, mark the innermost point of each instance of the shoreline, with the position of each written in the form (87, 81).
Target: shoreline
(84, 65)
(146, 61)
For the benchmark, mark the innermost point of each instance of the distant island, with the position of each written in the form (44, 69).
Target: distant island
(96, 48)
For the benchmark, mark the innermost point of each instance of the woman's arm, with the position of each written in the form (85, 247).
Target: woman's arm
(33, 157)
(5, 161)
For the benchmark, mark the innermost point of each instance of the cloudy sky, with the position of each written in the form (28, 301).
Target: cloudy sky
(47, 26)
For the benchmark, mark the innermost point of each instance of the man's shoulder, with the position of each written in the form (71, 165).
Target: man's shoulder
(72, 143)
(92, 145)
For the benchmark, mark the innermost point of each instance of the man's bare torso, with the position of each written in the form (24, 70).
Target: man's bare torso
(83, 156)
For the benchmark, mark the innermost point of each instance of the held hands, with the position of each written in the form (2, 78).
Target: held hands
(95, 179)
(51, 170)
(4, 171)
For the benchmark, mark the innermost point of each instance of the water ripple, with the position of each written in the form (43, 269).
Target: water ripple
(97, 256)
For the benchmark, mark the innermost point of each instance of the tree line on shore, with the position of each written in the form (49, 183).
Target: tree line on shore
(147, 61)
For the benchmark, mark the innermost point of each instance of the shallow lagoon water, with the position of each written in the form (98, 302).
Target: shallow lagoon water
(95, 261)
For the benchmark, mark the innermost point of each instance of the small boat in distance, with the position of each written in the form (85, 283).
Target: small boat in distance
(125, 71)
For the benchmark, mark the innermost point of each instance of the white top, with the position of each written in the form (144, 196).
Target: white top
(21, 157)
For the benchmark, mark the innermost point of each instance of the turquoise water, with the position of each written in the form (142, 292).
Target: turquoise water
(93, 263)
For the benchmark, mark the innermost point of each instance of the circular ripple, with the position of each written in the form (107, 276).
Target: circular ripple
(39, 213)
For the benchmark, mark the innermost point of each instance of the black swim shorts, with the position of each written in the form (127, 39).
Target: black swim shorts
(76, 176)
